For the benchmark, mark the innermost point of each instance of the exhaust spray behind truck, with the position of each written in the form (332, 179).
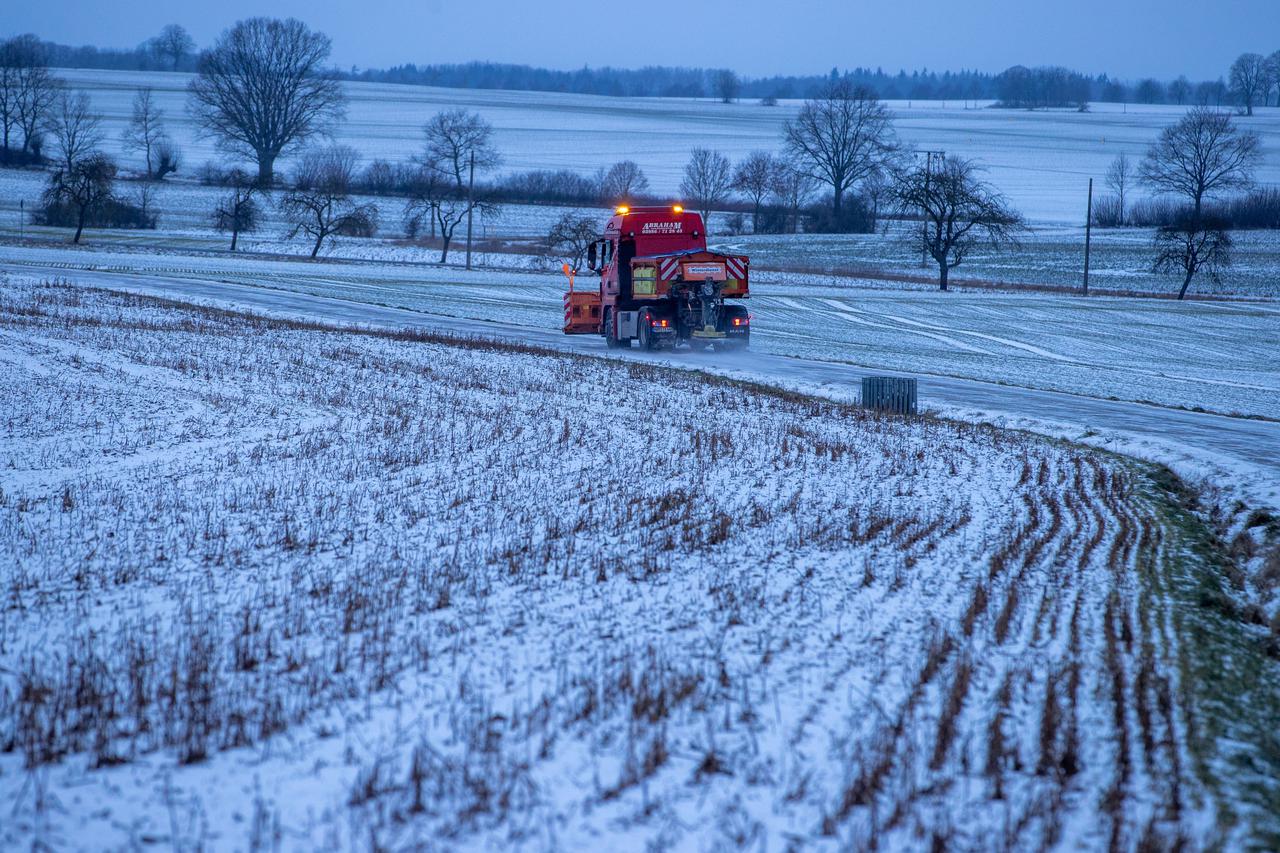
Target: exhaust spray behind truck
(660, 285)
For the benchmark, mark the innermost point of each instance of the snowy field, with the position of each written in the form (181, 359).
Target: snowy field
(1041, 160)
(185, 209)
(1211, 355)
(276, 585)
(1120, 259)
(1050, 255)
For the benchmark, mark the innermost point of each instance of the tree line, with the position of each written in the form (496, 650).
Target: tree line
(1250, 81)
(263, 91)
(172, 49)
(42, 121)
(37, 107)
(845, 140)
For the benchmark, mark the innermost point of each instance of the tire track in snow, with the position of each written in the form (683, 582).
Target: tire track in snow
(1062, 359)
(846, 313)
(1034, 350)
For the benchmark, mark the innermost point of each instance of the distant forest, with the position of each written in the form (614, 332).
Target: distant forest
(1015, 87)
(658, 81)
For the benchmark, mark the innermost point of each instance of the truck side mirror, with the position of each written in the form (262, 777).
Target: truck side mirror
(591, 257)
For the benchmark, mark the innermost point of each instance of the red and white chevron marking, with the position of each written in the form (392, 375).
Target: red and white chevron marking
(669, 267)
(737, 267)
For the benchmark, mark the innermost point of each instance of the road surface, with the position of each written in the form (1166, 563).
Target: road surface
(1240, 453)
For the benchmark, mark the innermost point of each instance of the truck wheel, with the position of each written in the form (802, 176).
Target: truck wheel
(646, 331)
(611, 331)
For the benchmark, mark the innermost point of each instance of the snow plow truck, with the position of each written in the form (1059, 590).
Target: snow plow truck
(660, 285)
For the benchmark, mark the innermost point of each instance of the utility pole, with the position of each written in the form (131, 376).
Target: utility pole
(471, 203)
(1088, 233)
(924, 217)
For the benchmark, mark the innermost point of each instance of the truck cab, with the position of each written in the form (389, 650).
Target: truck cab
(659, 285)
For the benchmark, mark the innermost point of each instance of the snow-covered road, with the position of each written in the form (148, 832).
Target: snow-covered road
(1238, 452)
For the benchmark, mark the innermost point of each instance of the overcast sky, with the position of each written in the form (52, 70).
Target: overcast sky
(1125, 38)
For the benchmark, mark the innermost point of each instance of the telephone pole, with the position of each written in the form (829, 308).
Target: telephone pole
(1088, 233)
(471, 203)
(924, 216)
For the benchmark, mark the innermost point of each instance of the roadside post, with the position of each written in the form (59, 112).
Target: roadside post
(471, 203)
(1088, 234)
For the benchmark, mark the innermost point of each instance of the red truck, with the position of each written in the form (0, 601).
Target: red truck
(660, 285)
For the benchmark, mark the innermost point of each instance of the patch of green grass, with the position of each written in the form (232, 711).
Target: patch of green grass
(1265, 519)
(1230, 687)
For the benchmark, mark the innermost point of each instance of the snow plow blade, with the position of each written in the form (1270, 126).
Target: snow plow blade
(581, 313)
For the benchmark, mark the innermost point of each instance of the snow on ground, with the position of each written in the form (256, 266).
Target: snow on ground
(1120, 259)
(270, 583)
(1042, 160)
(1050, 255)
(1215, 356)
(185, 209)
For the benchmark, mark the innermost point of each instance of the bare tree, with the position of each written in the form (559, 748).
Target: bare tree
(1248, 80)
(436, 200)
(262, 90)
(9, 76)
(379, 178)
(456, 141)
(1043, 87)
(1119, 176)
(143, 196)
(623, 182)
(1273, 74)
(87, 185)
(173, 45)
(707, 180)
(145, 130)
(168, 158)
(755, 178)
(840, 138)
(727, 86)
(320, 204)
(238, 211)
(569, 238)
(1211, 92)
(960, 212)
(1149, 91)
(1180, 90)
(1190, 245)
(75, 128)
(876, 188)
(452, 138)
(27, 90)
(1200, 155)
(792, 189)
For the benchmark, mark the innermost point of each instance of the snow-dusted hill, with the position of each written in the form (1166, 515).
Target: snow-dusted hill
(1041, 159)
(269, 583)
